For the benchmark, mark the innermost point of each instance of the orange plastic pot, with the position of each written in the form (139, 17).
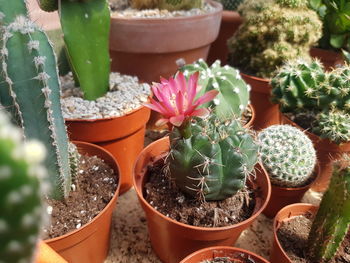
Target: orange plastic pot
(45, 254)
(327, 151)
(230, 22)
(233, 253)
(171, 240)
(283, 196)
(121, 136)
(149, 47)
(90, 243)
(267, 114)
(278, 255)
(329, 59)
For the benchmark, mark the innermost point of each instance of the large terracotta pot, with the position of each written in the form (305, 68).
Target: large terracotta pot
(90, 243)
(278, 255)
(172, 240)
(327, 151)
(121, 136)
(232, 253)
(267, 114)
(149, 47)
(45, 254)
(329, 59)
(230, 22)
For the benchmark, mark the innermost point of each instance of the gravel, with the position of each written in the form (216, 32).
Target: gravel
(126, 94)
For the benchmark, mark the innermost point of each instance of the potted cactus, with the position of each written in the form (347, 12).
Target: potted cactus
(148, 47)
(261, 45)
(206, 159)
(32, 97)
(290, 161)
(317, 101)
(329, 227)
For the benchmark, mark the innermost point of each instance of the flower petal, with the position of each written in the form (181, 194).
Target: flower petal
(202, 112)
(161, 122)
(208, 96)
(192, 88)
(177, 120)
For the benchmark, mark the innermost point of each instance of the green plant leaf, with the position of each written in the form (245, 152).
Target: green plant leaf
(337, 41)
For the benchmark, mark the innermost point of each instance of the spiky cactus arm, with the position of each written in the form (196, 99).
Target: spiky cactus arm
(32, 86)
(233, 96)
(214, 161)
(287, 154)
(333, 218)
(20, 194)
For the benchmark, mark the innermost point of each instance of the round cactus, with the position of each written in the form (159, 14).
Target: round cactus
(287, 154)
(48, 5)
(214, 162)
(231, 5)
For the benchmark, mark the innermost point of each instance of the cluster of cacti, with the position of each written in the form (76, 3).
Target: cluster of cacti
(20, 194)
(30, 90)
(332, 221)
(231, 5)
(287, 154)
(273, 31)
(301, 86)
(233, 96)
(170, 5)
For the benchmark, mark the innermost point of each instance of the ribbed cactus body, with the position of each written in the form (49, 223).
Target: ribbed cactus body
(231, 5)
(333, 217)
(20, 194)
(287, 154)
(214, 161)
(170, 5)
(233, 96)
(30, 90)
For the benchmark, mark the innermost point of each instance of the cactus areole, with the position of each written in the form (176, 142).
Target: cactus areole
(209, 158)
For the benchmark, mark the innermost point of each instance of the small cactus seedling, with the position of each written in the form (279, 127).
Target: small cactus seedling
(170, 5)
(287, 154)
(233, 96)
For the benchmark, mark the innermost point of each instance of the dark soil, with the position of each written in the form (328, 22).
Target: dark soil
(293, 236)
(242, 259)
(96, 184)
(304, 120)
(164, 196)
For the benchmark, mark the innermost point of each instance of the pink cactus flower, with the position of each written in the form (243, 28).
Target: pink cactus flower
(176, 99)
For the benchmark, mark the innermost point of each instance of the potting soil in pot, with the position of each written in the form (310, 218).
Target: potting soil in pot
(165, 197)
(293, 236)
(95, 186)
(239, 259)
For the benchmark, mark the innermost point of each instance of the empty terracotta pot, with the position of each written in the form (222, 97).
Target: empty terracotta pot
(149, 47)
(90, 243)
(122, 136)
(278, 255)
(267, 114)
(230, 22)
(172, 240)
(233, 253)
(329, 59)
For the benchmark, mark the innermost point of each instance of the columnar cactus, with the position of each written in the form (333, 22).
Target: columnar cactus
(233, 96)
(273, 31)
(231, 5)
(287, 154)
(333, 217)
(20, 194)
(167, 4)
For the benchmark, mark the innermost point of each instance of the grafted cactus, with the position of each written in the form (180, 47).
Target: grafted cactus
(231, 5)
(20, 194)
(287, 154)
(233, 96)
(170, 5)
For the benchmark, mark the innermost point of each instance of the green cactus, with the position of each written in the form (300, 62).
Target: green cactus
(233, 97)
(273, 31)
(48, 5)
(30, 90)
(20, 194)
(170, 5)
(333, 217)
(287, 154)
(214, 161)
(231, 5)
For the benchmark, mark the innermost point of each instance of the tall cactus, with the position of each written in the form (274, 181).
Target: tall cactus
(20, 194)
(333, 217)
(29, 88)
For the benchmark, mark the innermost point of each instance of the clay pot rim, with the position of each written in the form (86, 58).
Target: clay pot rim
(218, 8)
(250, 122)
(210, 229)
(115, 196)
(229, 15)
(267, 81)
(233, 249)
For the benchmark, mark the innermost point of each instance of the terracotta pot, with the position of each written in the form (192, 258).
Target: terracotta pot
(278, 255)
(45, 254)
(283, 196)
(172, 240)
(90, 243)
(267, 114)
(327, 151)
(121, 136)
(329, 59)
(230, 22)
(230, 252)
(149, 47)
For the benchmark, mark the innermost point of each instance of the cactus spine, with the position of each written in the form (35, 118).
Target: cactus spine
(170, 5)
